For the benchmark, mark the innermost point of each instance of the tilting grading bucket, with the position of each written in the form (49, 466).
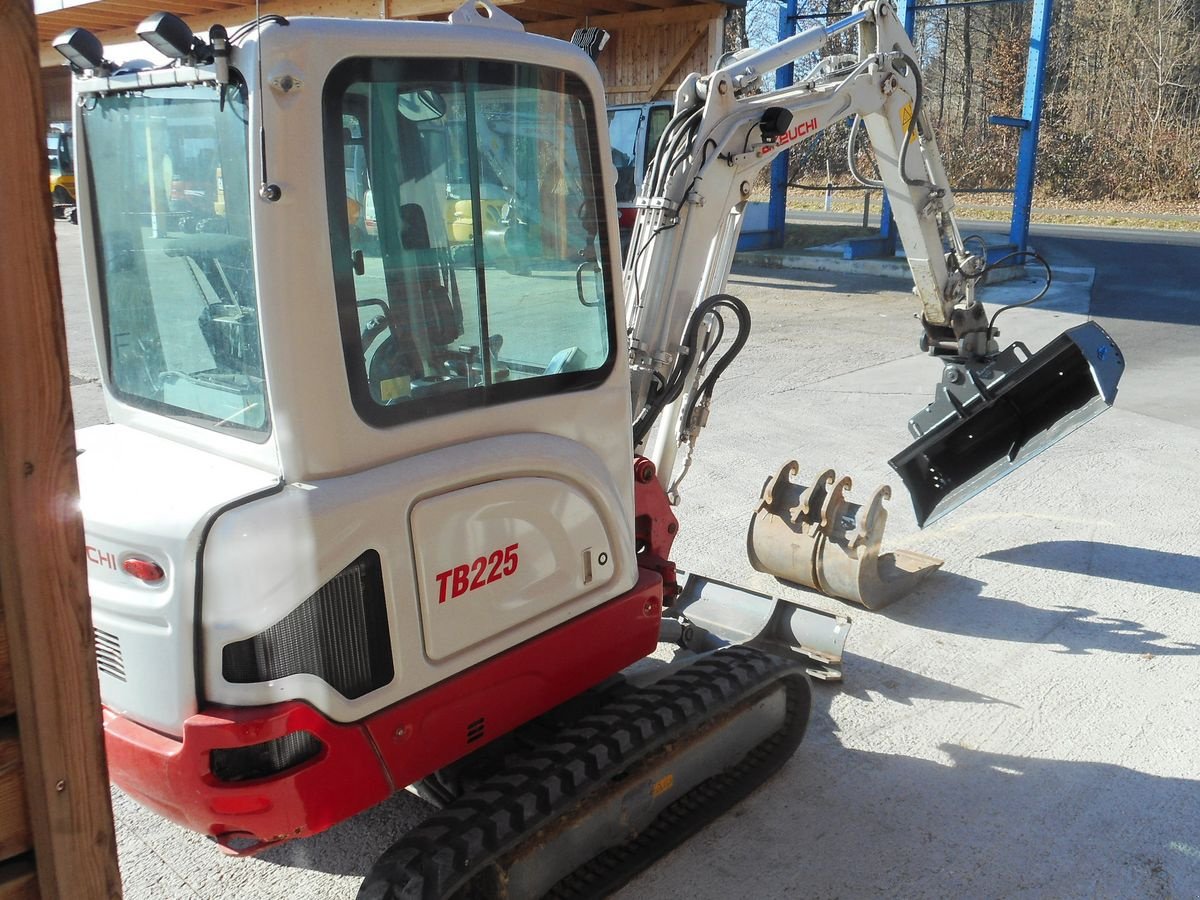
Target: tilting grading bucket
(814, 536)
(975, 433)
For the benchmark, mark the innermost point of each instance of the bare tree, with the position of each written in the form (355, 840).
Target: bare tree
(1121, 103)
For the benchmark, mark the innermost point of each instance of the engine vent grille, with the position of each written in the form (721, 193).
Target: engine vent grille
(475, 730)
(339, 634)
(108, 654)
(265, 759)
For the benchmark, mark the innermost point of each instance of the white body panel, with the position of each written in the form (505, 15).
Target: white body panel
(153, 498)
(281, 549)
(548, 547)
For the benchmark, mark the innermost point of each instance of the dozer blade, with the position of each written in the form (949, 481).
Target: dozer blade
(814, 536)
(1006, 422)
(579, 813)
(714, 614)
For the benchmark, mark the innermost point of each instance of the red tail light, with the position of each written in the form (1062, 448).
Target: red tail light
(143, 569)
(626, 216)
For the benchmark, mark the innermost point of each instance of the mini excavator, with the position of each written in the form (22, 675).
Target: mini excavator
(384, 497)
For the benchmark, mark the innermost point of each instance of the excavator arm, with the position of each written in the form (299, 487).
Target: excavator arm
(692, 206)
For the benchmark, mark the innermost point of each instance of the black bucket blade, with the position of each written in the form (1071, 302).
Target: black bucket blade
(1067, 383)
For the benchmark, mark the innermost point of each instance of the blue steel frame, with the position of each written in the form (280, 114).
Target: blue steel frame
(784, 77)
(1031, 112)
(1029, 123)
(886, 245)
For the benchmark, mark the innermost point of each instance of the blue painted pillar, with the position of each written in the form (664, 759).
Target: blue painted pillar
(887, 225)
(784, 77)
(1031, 115)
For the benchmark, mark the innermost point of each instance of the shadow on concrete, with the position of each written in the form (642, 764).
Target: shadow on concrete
(1143, 277)
(973, 823)
(819, 280)
(351, 847)
(1115, 561)
(867, 679)
(956, 604)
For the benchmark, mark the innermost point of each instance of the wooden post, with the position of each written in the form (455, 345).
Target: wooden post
(55, 808)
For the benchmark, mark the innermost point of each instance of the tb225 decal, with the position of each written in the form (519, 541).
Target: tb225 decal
(472, 576)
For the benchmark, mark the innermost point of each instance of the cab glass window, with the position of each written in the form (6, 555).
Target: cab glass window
(465, 222)
(624, 122)
(171, 207)
(660, 117)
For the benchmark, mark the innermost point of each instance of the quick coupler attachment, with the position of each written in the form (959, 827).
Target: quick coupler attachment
(813, 535)
(985, 422)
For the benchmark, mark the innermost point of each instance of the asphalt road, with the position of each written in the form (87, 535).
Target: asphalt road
(1146, 295)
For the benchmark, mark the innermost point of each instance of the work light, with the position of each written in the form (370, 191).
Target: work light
(171, 36)
(83, 51)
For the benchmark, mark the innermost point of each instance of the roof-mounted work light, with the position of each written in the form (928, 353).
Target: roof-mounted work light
(83, 51)
(171, 36)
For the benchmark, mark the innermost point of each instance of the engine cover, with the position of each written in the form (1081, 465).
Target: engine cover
(496, 555)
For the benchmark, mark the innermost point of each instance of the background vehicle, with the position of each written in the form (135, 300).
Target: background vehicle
(634, 130)
(60, 154)
(402, 510)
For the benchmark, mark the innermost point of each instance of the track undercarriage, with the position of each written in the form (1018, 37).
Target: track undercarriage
(578, 802)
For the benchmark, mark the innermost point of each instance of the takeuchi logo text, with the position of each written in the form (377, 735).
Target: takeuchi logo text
(804, 129)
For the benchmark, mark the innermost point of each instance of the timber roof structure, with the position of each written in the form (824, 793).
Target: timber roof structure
(120, 17)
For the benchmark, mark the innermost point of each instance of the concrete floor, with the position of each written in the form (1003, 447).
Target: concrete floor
(1022, 725)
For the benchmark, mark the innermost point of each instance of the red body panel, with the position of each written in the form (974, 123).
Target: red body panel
(174, 779)
(362, 763)
(655, 526)
(443, 724)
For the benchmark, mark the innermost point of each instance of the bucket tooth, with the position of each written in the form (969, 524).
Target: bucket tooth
(813, 535)
(786, 527)
(850, 562)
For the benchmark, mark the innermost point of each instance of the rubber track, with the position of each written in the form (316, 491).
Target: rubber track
(455, 851)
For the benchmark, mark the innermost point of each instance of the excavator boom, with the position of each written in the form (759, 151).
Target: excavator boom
(691, 209)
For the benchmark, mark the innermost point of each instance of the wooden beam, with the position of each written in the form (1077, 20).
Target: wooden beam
(561, 9)
(636, 93)
(8, 699)
(95, 18)
(18, 881)
(404, 9)
(182, 8)
(15, 836)
(699, 12)
(610, 6)
(43, 584)
(677, 60)
(107, 7)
